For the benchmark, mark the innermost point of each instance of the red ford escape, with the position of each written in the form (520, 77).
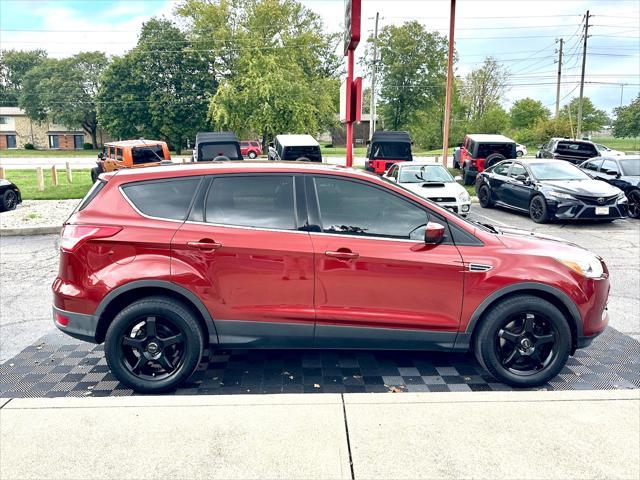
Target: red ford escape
(162, 262)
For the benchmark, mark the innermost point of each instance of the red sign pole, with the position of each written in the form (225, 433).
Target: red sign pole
(350, 60)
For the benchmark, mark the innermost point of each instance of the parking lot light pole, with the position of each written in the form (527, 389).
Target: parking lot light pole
(447, 103)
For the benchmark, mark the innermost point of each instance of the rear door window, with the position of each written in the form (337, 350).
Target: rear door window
(501, 168)
(260, 201)
(169, 199)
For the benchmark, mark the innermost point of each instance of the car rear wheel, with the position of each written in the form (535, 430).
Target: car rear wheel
(538, 210)
(519, 153)
(467, 178)
(484, 197)
(9, 200)
(524, 341)
(252, 155)
(153, 345)
(95, 171)
(634, 203)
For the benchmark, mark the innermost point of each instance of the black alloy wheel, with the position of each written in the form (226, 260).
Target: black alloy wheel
(154, 344)
(538, 209)
(523, 341)
(9, 200)
(634, 203)
(484, 197)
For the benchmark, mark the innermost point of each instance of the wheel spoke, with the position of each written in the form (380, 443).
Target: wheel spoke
(133, 342)
(508, 336)
(167, 342)
(166, 363)
(142, 361)
(528, 323)
(511, 358)
(542, 339)
(150, 326)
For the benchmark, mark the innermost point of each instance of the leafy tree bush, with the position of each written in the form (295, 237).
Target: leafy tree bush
(526, 112)
(87, 146)
(627, 122)
(29, 146)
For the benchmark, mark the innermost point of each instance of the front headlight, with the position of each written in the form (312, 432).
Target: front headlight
(587, 265)
(560, 195)
(464, 196)
(622, 197)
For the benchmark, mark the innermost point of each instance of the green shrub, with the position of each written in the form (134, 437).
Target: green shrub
(29, 146)
(87, 146)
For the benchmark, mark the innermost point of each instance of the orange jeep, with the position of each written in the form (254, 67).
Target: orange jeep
(130, 154)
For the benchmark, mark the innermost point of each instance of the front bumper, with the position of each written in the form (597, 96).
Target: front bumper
(580, 210)
(461, 208)
(78, 325)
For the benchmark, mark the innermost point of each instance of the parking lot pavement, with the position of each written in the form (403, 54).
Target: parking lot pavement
(528, 435)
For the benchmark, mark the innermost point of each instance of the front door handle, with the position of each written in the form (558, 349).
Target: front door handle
(205, 244)
(342, 254)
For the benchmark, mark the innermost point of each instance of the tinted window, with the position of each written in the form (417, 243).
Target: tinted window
(518, 169)
(119, 154)
(501, 168)
(391, 150)
(147, 154)
(631, 166)
(209, 151)
(163, 198)
(91, 194)
(609, 166)
(293, 153)
(506, 149)
(348, 207)
(261, 201)
(425, 173)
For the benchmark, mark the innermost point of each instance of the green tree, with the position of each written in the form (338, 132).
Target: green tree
(627, 122)
(493, 120)
(412, 74)
(14, 65)
(158, 89)
(592, 118)
(64, 91)
(277, 69)
(484, 87)
(526, 112)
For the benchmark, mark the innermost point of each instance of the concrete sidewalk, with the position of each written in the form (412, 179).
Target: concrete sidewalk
(591, 434)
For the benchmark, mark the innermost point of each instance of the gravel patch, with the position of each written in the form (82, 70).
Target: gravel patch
(38, 213)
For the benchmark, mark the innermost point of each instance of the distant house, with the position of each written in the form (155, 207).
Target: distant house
(360, 133)
(16, 130)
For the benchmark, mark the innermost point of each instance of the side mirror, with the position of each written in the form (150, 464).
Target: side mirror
(458, 178)
(101, 155)
(611, 172)
(434, 233)
(522, 178)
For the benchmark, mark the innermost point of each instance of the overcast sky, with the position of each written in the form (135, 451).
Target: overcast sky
(520, 34)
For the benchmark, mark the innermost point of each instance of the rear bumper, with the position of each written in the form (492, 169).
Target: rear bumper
(78, 325)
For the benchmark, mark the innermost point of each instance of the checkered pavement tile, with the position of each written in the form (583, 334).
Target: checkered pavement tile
(48, 369)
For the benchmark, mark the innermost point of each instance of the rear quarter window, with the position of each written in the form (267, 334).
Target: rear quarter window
(169, 199)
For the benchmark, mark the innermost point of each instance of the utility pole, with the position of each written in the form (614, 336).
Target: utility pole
(559, 75)
(447, 102)
(584, 62)
(372, 108)
(621, 93)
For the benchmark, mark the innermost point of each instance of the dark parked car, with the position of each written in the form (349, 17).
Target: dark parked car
(10, 195)
(161, 263)
(480, 151)
(216, 146)
(574, 151)
(549, 189)
(621, 172)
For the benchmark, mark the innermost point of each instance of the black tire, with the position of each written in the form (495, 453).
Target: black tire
(634, 203)
(493, 159)
(538, 211)
(523, 341)
(95, 171)
(467, 178)
(484, 197)
(252, 155)
(148, 362)
(519, 153)
(9, 200)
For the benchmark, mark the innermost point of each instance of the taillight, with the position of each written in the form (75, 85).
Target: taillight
(72, 236)
(61, 319)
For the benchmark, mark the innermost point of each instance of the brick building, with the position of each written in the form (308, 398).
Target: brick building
(16, 130)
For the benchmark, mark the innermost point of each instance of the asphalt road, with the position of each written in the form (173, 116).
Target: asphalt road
(28, 266)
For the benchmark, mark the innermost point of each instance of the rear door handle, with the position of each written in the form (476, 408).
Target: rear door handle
(205, 244)
(344, 255)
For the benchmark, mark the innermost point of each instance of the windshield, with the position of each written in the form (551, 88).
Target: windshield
(425, 173)
(312, 152)
(209, 151)
(398, 151)
(631, 166)
(557, 170)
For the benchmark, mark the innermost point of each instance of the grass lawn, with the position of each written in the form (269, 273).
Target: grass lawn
(624, 144)
(26, 182)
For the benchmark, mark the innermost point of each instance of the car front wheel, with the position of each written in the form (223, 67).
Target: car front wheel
(524, 341)
(484, 197)
(9, 200)
(153, 345)
(634, 203)
(538, 210)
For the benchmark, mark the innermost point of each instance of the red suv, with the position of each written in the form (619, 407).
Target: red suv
(160, 263)
(250, 149)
